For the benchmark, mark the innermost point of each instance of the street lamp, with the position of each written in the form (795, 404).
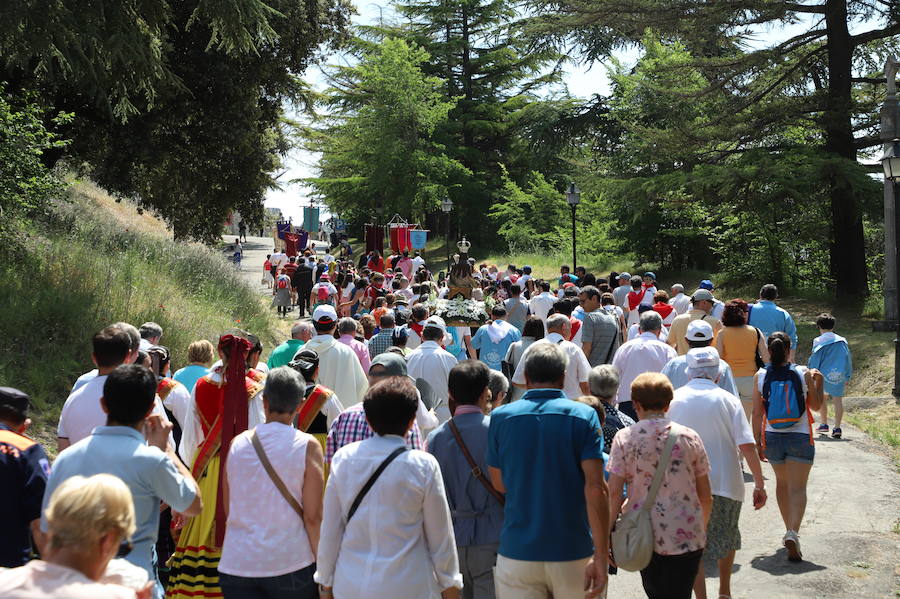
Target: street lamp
(891, 164)
(573, 197)
(446, 207)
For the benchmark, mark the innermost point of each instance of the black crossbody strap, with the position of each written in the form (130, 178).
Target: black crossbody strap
(366, 487)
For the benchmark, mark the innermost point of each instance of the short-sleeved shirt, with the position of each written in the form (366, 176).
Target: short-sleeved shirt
(538, 443)
(189, 375)
(24, 469)
(718, 417)
(677, 516)
(803, 425)
(284, 353)
(149, 473)
(601, 330)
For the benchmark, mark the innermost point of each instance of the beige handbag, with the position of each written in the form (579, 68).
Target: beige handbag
(632, 538)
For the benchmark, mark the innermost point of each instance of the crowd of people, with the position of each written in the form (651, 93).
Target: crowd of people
(382, 452)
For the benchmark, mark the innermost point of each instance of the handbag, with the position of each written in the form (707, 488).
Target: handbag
(632, 539)
(279, 484)
(757, 357)
(476, 470)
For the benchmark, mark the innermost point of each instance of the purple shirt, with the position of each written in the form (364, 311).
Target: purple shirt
(359, 348)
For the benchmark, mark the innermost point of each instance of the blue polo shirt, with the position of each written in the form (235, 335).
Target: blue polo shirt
(538, 443)
(769, 318)
(148, 472)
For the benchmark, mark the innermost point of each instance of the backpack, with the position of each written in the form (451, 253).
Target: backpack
(283, 282)
(783, 396)
(322, 293)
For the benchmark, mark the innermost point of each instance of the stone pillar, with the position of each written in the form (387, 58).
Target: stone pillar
(890, 130)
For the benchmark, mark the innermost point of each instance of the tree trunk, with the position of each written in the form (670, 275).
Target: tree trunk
(848, 255)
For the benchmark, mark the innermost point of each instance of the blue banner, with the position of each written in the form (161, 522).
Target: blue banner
(417, 239)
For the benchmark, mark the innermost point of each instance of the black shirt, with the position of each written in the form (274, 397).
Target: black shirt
(24, 468)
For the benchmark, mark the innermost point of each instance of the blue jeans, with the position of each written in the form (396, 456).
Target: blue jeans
(294, 585)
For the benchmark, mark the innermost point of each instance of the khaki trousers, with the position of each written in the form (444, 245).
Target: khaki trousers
(516, 579)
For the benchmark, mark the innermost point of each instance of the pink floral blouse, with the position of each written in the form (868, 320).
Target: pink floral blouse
(677, 517)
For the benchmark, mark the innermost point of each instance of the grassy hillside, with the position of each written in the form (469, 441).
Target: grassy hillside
(92, 261)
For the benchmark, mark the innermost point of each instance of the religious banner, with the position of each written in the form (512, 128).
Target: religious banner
(417, 239)
(311, 219)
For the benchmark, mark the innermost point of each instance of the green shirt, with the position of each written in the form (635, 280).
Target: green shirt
(284, 353)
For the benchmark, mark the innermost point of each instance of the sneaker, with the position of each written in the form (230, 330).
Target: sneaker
(823, 428)
(836, 432)
(792, 543)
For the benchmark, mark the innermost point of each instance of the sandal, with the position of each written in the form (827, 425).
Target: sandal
(792, 543)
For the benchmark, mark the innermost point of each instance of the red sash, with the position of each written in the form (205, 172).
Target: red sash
(662, 309)
(165, 387)
(635, 298)
(311, 406)
(418, 328)
(576, 325)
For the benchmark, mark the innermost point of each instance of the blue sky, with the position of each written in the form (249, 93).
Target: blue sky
(581, 80)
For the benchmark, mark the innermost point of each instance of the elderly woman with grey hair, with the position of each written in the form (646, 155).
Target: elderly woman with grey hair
(499, 386)
(604, 383)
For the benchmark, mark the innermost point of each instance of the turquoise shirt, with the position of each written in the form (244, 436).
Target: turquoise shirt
(538, 443)
(492, 353)
(189, 375)
(284, 353)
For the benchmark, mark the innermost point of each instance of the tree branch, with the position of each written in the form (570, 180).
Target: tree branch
(867, 142)
(793, 7)
(875, 34)
(872, 80)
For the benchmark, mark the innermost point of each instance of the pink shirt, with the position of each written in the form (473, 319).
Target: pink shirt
(359, 348)
(38, 579)
(677, 517)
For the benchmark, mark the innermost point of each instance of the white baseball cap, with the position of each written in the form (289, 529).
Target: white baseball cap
(436, 322)
(324, 314)
(699, 330)
(701, 357)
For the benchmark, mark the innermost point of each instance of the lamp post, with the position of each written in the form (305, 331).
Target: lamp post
(891, 163)
(573, 197)
(446, 207)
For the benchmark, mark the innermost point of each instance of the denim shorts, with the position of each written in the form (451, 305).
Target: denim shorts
(796, 447)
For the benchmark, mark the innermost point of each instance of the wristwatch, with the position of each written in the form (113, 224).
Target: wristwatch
(323, 590)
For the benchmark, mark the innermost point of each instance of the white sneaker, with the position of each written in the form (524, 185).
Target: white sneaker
(791, 542)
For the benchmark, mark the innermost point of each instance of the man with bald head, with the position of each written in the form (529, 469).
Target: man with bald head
(576, 381)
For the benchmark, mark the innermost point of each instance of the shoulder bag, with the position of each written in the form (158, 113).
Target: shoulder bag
(366, 487)
(279, 484)
(476, 471)
(632, 539)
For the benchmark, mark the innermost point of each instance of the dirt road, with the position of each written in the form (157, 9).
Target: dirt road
(848, 539)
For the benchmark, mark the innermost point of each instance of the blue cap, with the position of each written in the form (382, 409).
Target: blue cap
(706, 284)
(624, 275)
(526, 269)
(652, 275)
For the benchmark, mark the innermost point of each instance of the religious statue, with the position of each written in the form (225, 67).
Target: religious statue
(461, 280)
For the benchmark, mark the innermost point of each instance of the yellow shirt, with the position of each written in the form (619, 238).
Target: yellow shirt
(679, 329)
(738, 348)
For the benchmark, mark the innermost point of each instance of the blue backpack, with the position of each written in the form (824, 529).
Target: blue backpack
(783, 396)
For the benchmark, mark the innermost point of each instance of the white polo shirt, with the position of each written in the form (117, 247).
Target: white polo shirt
(576, 371)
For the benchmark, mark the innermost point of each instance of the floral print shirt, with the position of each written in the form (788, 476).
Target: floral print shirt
(677, 516)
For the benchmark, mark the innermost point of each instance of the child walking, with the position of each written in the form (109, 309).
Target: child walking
(831, 356)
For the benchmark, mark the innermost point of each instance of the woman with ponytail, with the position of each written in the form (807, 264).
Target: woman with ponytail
(784, 396)
(225, 403)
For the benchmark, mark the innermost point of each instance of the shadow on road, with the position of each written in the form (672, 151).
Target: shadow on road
(711, 568)
(778, 564)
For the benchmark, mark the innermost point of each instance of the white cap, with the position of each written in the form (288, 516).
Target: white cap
(701, 357)
(697, 330)
(324, 313)
(436, 322)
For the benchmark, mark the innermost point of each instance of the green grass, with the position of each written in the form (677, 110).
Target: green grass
(882, 424)
(92, 262)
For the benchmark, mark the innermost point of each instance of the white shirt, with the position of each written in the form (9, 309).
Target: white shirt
(541, 304)
(576, 371)
(339, 369)
(84, 379)
(718, 417)
(400, 542)
(271, 541)
(177, 402)
(418, 262)
(278, 259)
(82, 412)
(718, 309)
(635, 330)
(643, 354)
(431, 362)
(681, 303)
(328, 258)
(332, 290)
